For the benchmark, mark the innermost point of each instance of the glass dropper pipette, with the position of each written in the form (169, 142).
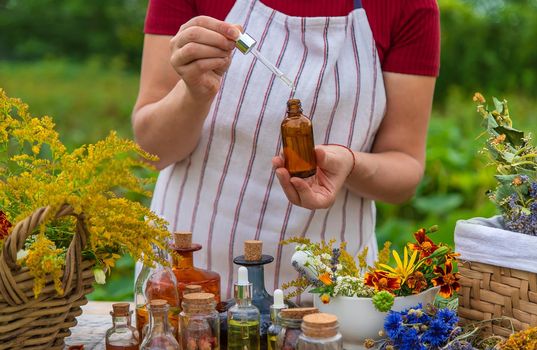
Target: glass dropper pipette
(246, 44)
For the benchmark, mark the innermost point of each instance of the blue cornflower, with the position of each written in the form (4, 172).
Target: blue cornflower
(417, 315)
(437, 333)
(447, 316)
(409, 340)
(393, 324)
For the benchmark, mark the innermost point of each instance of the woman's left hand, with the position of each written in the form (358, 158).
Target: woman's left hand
(334, 164)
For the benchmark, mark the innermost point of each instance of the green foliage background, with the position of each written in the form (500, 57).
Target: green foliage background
(78, 61)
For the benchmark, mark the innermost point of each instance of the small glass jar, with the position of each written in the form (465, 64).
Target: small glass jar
(159, 335)
(122, 336)
(199, 322)
(291, 322)
(320, 332)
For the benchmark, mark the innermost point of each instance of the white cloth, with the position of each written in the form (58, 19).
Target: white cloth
(226, 191)
(485, 241)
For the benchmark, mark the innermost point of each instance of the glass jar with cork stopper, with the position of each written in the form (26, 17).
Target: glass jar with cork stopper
(122, 336)
(185, 271)
(320, 332)
(200, 323)
(160, 335)
(298, 144)
(290, 323)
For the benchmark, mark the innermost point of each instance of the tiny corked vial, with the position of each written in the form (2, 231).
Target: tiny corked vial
(320, 332)
(298, 143)
(200, 323)
(122, 336)
(290, 321)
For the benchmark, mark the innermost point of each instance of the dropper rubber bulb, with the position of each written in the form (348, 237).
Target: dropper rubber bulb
(243, 276)
(278, 299)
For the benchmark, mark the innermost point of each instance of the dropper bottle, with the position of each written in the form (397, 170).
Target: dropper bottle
(246, 44)
(243, 317)
(275, 328)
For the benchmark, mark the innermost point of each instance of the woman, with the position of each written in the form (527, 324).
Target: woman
(212, 115)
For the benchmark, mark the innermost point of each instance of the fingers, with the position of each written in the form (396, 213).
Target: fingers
(309, 198)
(193, 51)
(278, 162)
(284, 178)
(228, 30)
(201, 35)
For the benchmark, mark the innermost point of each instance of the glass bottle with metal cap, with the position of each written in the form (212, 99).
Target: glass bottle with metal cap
(243, 317)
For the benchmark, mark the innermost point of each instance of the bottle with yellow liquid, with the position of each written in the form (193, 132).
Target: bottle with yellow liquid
(275, 327)
(243, 317)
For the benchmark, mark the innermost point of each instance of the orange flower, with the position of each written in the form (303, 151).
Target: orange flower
(382, 280)
(416, 282)
(447, 280)
(325, 298)
(5, 225)
(425, 245)
(326, 279)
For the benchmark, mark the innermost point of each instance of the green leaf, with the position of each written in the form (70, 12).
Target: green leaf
(515, 137)
(491, 122)
(505, 179)
(508, 156)
(498, 105)
(503, 192)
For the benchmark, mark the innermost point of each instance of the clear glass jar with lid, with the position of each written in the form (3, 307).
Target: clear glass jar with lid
(290, 322)
(199, 322)
(320, 332)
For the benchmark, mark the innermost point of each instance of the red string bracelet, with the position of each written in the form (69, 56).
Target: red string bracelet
(348, 149)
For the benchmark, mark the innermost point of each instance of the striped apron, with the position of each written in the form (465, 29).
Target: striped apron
(226, 191)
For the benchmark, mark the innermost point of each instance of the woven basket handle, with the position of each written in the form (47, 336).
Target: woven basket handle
(9, 289)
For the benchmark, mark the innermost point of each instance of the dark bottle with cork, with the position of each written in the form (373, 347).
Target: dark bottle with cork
(185, 271)
(298, 144)
(254, 260)
(122, 336)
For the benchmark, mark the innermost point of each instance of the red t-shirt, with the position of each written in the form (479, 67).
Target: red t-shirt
(406, 32)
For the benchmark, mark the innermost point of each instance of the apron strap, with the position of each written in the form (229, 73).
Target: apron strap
(357, 4)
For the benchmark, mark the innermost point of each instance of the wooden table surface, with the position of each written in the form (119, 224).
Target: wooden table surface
(92, 325)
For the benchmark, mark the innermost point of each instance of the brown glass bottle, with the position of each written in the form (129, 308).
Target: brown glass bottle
(298, 144)
(185, 271)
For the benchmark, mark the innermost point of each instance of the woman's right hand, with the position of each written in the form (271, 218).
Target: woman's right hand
(201, 53)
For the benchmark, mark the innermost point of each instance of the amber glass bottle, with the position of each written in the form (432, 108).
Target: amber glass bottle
(185, 271)
(298, 144)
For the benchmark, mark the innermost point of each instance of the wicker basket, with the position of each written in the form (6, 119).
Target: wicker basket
(492, 292)
(27, 322)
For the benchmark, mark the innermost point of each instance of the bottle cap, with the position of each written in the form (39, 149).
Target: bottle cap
(199, 298)
(183, 240)
(158, 302)
(320, 325)
(242, 288)
(278, 299)
(245, 43)
(243, 276)
(253, 250)
(298, 313)
(192, 288)
(121, 309)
